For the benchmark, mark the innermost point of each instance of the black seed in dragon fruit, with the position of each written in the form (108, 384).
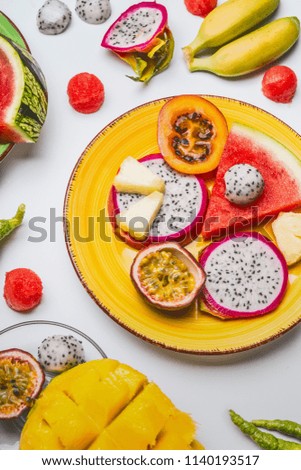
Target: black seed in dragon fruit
(185, 201)
(244, 184)
(93, 11)
(141, 38)
(246, 276)
(58, 353)
(53, 17)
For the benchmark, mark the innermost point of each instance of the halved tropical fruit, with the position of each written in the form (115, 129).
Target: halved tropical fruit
(23, 94)
(192, 133)
(104, 404)
(21, 380)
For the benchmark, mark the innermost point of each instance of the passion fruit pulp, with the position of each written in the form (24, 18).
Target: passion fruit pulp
(192, 133)
(167, 276)
(21, 380)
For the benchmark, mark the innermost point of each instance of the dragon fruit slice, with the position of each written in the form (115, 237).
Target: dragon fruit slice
(246, 276)
(181, 215)
(141, 37)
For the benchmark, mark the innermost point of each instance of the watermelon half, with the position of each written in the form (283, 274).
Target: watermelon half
(281, 171)
(23, 94)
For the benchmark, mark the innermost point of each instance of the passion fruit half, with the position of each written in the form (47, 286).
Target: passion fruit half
(167, 276)
(21, 380)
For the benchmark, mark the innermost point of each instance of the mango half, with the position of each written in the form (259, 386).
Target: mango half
(104, 404)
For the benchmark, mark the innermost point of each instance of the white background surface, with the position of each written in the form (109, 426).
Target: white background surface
(264, 382)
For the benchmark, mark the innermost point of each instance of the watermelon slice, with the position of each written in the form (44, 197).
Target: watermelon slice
(23, 94)
(281, 171)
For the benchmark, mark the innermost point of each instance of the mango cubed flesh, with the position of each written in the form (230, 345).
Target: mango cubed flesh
(139, 424)
(178, 433)
(105, 405)
(103, 399)
(36, 429)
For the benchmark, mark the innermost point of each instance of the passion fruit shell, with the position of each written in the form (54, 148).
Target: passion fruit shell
(179, 276)
(21, 380)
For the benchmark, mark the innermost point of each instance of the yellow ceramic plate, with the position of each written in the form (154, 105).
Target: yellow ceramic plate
(102, 262)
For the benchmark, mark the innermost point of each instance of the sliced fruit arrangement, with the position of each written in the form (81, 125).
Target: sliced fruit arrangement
(273, 165)
(183, 208)
(167, 276)
(228, 21)
(192, 133)
(104, 404)
(252, 51)
(21, 380)
(141, 37)
(246, 276)
(23, 95)
(287, 231)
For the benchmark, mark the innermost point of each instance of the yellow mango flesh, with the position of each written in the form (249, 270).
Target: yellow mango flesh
(106, 405)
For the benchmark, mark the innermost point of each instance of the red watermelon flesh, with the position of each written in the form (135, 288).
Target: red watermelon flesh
(281, 171)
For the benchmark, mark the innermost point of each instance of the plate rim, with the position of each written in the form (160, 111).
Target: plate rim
(11, 146)
(106, 310)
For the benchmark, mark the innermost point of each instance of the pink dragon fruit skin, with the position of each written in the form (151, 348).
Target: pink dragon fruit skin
(155, 18)
(219, 272)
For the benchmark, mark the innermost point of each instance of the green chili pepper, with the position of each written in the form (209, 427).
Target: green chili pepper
(263, 439)
(7, 226)
(290, 428)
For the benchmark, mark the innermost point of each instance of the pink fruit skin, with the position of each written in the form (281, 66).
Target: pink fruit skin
(190, 232)
(279, 84)
(145, 45)
(231, 314)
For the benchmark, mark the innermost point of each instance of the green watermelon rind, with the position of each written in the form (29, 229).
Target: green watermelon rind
(277, 150)
(27, 112)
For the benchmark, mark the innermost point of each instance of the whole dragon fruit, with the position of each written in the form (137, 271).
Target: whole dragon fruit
(141, 37)
(246, 276)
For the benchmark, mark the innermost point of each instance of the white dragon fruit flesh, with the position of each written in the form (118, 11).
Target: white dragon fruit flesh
(185, 201)
(141, 37)
(246, 276)
(58, 353)
(136, 27)
(53, 17)
(244, 184)
(93, 11)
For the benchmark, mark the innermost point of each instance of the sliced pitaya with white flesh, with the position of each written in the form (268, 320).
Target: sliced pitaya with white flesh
(246, 276)
(58, 353)
(181, 215)
(53, 17)
(93, 11)
(141, 37)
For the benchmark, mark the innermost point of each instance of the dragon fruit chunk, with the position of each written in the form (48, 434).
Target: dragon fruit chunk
(136, 28)
(141, 37)
(181, 215)
(244, 184)
(93, 11)
(53, 17)
(58, 353)
(246, 276)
